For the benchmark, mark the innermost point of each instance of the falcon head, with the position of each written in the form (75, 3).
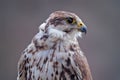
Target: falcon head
(62, 22)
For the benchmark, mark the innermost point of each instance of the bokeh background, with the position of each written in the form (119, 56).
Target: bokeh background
(19, 21)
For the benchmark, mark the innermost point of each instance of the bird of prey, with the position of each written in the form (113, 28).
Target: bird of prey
(54, 52)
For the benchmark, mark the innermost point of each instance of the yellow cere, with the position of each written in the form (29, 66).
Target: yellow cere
(80, 24)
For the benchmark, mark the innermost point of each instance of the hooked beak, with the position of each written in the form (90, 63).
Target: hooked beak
(82, 27)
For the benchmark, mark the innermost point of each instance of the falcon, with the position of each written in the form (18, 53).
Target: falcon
(54, 52)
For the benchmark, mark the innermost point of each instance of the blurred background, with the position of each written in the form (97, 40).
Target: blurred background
(20, 19)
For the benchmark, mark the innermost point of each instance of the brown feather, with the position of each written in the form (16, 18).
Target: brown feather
(82, 63)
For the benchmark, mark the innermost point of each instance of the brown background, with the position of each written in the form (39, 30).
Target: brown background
(19, 21)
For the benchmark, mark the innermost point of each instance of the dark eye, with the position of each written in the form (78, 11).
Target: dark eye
(70, 20)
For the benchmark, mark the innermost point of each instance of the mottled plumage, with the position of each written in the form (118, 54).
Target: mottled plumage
(54, 52)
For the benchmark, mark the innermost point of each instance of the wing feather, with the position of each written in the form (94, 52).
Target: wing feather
(31, 49)
(82, 63)
(21, 68)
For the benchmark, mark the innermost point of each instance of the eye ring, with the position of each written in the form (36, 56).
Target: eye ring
(70, 20)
